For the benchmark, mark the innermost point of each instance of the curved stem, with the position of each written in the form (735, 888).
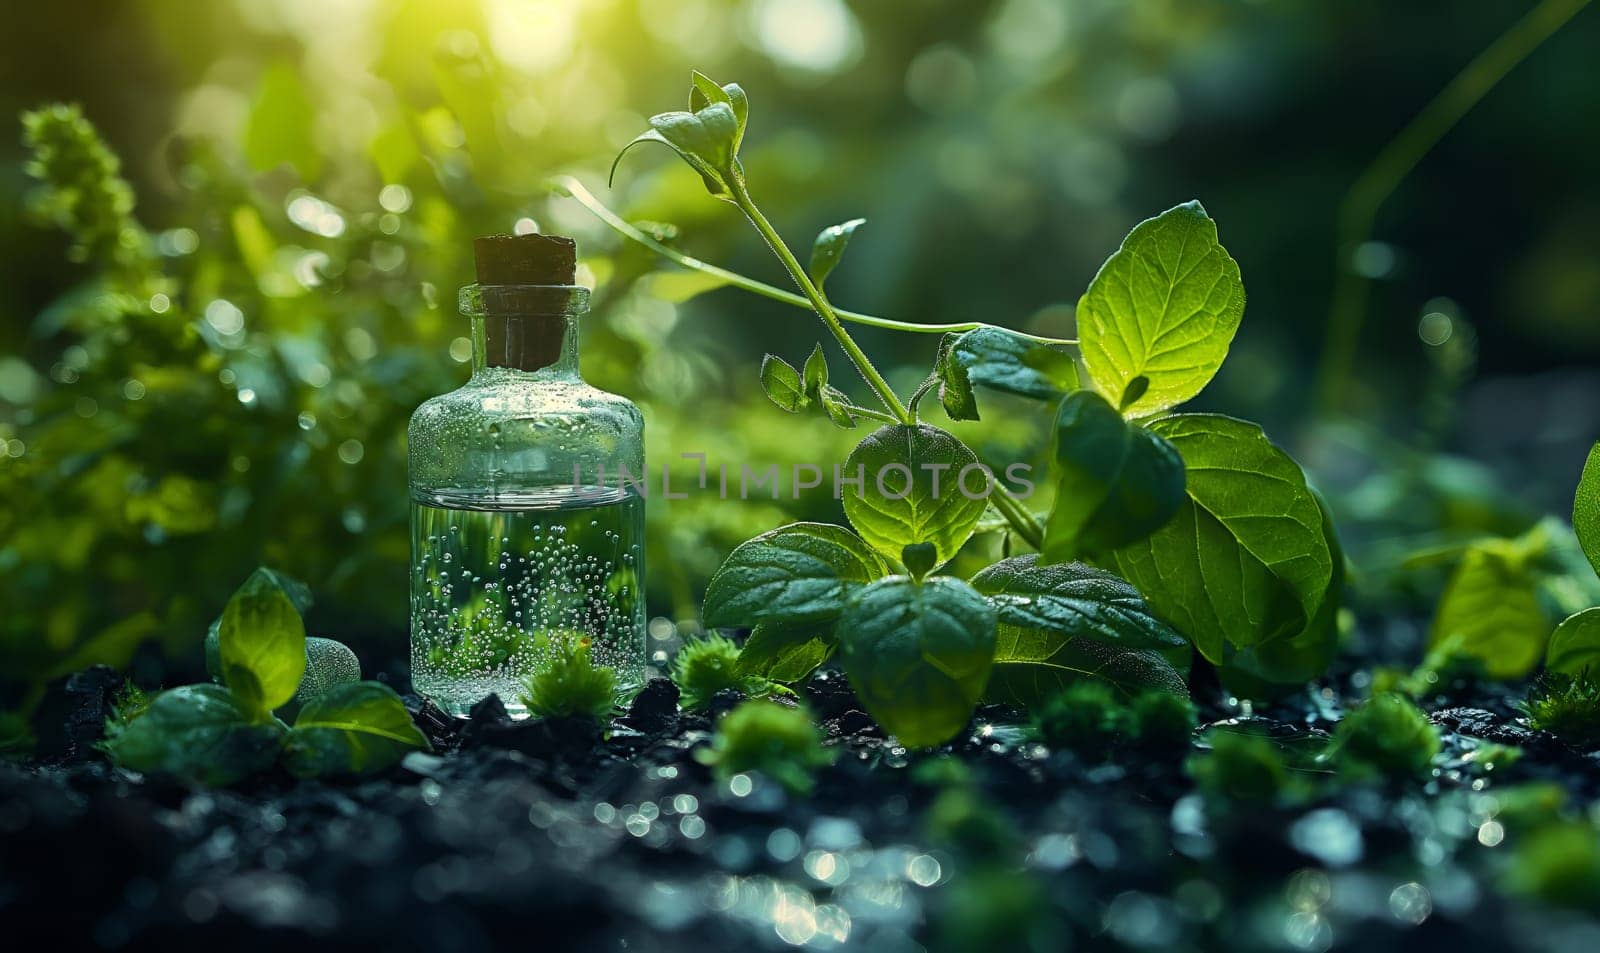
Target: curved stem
(819, 304)
(621, 226)
(1359, 210)
(1025, 523)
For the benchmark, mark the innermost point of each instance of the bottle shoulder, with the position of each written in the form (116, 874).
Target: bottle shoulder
(524, 398)
(520, 429)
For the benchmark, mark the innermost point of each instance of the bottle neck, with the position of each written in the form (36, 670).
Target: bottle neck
(525, 327)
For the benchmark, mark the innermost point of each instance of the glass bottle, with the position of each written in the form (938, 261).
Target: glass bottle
(527, 524)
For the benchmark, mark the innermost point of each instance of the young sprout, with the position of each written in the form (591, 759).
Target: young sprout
(1241, 768)
(1086, 717)
(1567, 706)
(1387, 736)
(705, 666)
(780, 742)
(572, 685)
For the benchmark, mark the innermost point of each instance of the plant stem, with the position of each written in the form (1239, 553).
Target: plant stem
(856, 410)
(622, 227)
(1359, 210)
(819, 304)
(1025, 523)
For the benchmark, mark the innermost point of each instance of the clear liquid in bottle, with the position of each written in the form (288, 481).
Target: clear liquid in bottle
(498, 584)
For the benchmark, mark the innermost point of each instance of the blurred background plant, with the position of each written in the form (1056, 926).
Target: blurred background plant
(210, 346)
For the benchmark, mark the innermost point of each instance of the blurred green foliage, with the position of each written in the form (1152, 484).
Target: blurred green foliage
(218, 374)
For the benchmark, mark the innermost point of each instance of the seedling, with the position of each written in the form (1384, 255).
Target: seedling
(920, 647)
(219, 734)
(778, 741)
(572, 686)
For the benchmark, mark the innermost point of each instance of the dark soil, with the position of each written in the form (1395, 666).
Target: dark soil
(551, 836)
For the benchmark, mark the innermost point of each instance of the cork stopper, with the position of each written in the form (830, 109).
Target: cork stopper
(525, 260)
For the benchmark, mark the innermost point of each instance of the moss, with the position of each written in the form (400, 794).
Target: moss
(778, 741)
(1242, 768)
(1163, 721)
(1086, 717)
(997, 909)
(708, 665)
(572, 685)
(1567, 707)
(1558, 863)
(1388, 736)
(960, 819)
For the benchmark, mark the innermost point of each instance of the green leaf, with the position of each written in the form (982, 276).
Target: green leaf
(1164, 307)
(1116, 483)
(1575, 646)
(911, 490)
(782, 383)
(200, 733)
(837, 406)
(1064, 622)
(918, 654)
(1008, 362)
(328, 664)
(706, 139)
(1268, 670)
(299, 594)
(1490, 610)
(815, 376)
(356, 728)
(955, 383)
(261, 643)
(919, 559)
(1245, 560)
(829, 248)
(800, 573)
(1023, 675)
(1586, 509)
(785, 653)
(282, 124)
(703, 91)
(1044, 605)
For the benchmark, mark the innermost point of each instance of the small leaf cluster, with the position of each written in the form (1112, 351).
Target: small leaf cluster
(220, 734)
(83, 190)
(571, 685)
(781, 742)
(794, 389)
(1495, 609)
(1156, 498)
